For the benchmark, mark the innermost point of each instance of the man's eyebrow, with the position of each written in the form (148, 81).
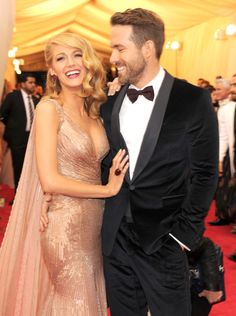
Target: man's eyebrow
(117, 46)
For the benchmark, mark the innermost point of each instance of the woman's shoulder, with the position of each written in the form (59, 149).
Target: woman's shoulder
(48, 104)
(51, 109)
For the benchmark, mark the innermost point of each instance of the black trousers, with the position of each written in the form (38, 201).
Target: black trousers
(18, 156)
(224, 193)
(136, 281)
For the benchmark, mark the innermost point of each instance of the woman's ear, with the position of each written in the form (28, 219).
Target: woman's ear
(51, 72)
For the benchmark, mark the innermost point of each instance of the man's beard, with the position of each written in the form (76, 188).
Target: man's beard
(133, 72)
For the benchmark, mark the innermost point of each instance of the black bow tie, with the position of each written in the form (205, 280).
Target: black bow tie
(146, 92)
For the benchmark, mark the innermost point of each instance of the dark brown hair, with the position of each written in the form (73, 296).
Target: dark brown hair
(146, 25)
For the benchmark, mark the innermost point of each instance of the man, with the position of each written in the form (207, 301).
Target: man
(171, 136)
(226, 116)
(16, 114)
(223, 193)
(222, 86)
(227, 132)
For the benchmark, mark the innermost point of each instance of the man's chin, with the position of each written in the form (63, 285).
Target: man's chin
(122, 79)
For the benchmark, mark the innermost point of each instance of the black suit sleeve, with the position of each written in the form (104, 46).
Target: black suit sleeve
(105, 113)
(203, 160)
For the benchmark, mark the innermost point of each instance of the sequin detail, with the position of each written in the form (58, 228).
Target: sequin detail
(71, 245)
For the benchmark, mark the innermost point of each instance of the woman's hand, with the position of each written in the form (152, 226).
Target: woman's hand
(44, 212)
(118, 170)
(113, 86)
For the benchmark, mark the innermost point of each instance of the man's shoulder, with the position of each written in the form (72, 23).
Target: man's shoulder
(228, 105)
(227, 108)
(188, 92)
(11, 98)
(186, 86)
(14, 94)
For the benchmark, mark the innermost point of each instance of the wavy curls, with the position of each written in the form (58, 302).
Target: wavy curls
(94, 82)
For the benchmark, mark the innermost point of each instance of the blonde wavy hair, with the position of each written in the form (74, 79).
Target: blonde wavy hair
(94, 81)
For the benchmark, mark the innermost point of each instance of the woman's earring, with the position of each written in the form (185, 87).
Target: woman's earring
(54, 80)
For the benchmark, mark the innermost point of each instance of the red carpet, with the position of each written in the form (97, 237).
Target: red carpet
(220, 235)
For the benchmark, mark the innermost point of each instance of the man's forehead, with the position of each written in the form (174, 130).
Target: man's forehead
(30, 79)
(233, 79)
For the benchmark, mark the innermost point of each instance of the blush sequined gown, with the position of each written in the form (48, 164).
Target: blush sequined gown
(69, 251)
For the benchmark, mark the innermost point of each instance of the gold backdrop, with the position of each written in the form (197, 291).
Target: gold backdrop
(192, 22)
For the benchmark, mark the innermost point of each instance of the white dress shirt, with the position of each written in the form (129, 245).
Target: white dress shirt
(27, 110)
(134, 118)
(226, 133)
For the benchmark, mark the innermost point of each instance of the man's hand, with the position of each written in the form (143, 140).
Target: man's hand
(211, 296)
(44, 212)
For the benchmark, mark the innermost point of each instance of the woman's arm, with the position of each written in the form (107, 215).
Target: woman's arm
(47, 123)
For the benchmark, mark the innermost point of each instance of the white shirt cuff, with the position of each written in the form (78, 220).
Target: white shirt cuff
(179, 242)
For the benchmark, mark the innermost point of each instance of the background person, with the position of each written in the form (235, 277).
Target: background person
(16, 113)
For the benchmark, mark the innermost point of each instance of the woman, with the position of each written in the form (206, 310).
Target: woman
(59, 271)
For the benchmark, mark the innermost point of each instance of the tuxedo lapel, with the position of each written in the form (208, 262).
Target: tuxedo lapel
(154, 125)
(117, 138)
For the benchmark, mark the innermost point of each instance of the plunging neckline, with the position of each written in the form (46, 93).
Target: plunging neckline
(77, 127)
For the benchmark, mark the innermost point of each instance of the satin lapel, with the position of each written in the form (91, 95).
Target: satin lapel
(116, 135)
(154, 125)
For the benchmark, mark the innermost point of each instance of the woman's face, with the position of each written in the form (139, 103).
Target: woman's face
(67, 65)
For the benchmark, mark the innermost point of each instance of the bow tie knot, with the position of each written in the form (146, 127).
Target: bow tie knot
(147, 92)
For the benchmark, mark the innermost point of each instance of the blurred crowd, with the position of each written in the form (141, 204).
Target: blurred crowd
(223, 96)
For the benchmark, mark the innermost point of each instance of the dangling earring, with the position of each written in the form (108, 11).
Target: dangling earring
(54, 81)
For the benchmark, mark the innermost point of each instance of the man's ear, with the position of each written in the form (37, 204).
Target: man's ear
(148, 49)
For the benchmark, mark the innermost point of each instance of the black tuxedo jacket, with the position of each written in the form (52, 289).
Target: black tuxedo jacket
(176, 172)
(13, 115)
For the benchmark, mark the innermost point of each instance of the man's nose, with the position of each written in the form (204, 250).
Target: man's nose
(114, 57)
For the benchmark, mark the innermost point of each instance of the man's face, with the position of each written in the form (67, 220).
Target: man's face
(29, 85)
(221, 92)
(126, 56)
(233, 88)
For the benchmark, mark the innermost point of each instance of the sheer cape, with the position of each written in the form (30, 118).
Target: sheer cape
(24, 280)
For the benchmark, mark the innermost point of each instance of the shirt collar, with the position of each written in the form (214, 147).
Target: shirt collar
(25, 95)
(155, 82)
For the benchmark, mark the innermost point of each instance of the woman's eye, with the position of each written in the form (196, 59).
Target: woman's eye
(78, 55)
(60, 58)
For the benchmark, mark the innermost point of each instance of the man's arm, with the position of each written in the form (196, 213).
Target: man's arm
(203, 147)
